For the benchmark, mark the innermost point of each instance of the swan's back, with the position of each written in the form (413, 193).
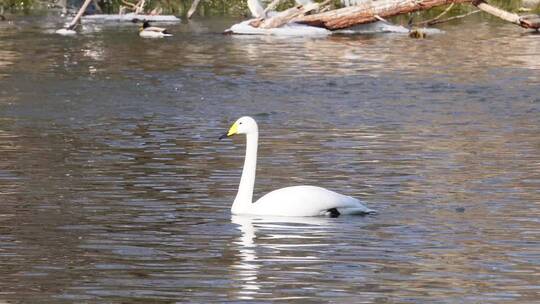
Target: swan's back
(306, 201)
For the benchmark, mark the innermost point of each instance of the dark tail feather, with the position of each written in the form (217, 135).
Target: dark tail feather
(333, 212)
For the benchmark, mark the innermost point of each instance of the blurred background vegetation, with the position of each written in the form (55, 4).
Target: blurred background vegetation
(212, 7)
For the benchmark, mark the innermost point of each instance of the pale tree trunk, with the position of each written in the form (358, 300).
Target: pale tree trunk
(271, 6)
(77, 17)
(531, 21)
(368, 11)
(287, 16)
(140, 7)
(193, 8)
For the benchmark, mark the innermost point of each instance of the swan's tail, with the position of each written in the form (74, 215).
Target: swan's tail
(335, 212)
(357, 211)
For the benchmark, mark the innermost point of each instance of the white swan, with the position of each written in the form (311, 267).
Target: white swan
(289, 201)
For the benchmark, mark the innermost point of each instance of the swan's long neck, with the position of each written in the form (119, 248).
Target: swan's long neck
(244, 197)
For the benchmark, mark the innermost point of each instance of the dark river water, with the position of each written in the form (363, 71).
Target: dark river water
(114, 188)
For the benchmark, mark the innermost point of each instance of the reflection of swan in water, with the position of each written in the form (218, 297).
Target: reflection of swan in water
(273, 228)
(248, 266)
(289, 201)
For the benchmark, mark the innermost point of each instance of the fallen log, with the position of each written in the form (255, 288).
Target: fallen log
(529, 21)
(129, 17)
(271, 6)
(367, 11)
(433, 22)
(77, 17)
(287, 16)
(193, 8)
(438, 17)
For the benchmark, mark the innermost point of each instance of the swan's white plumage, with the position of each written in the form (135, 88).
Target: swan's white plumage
(289, 201)
(306, 201)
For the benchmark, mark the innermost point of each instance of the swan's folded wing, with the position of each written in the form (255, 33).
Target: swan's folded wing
(306, 201)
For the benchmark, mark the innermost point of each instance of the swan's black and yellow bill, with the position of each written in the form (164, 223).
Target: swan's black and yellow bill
(233, 130)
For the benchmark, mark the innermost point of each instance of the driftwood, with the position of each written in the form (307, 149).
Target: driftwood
(438, 17)
(193, 8)
(288, 15)
(531, 21)
(433, 22)
(129, 17)
(271, 6)
(367, 11)
(130, 5)
(77, 17)
(124, 17)
(137, 8)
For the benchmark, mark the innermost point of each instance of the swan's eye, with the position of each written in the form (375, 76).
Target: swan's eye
(240, 123)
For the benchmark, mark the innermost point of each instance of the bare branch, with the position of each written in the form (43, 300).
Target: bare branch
(429, 22)
(193, 8)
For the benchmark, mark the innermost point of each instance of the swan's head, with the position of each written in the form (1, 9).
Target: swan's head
(244, 125)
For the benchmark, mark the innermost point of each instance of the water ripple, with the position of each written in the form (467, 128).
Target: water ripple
(115, 188)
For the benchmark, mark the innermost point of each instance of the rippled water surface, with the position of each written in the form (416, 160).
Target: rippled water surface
(114, 188)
